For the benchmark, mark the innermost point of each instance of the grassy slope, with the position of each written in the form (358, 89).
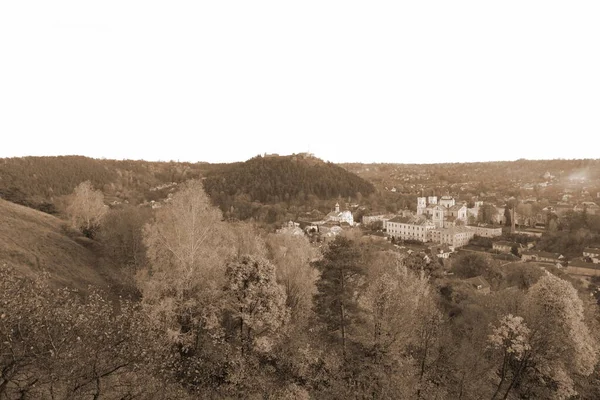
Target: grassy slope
(32, 242)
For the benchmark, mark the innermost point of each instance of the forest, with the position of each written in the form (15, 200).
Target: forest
(266, 189)
(220, 309)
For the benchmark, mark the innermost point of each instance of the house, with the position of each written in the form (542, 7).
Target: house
(542, 256)
(581, 267)
(593, 254)
(504, 247)
(409, 228)
(442, 251)
(480, 284)
(340, 216)
(486, 230)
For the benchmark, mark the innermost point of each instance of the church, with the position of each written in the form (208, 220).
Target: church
(340, 216)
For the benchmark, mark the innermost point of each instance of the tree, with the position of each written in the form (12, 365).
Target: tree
(336, 301)
(471, 264)
(512, 338)
(188, 246)
(57, 343)
(121, 234)
(256, 302)
(86, 208)
(487, 214)
(555, 345)
(507, 216)
(402, 319)
(292, 256)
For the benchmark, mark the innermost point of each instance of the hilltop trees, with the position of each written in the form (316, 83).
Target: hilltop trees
(86, 208)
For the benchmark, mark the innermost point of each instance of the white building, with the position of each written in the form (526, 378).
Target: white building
(409, 228)
(454, 237)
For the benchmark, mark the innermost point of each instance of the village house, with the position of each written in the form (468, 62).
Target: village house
(442, 251)
(583, 268)
(593, 254)
(542, 256)
(480, 284)
(504, 246)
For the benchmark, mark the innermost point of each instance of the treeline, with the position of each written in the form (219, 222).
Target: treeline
(38, 182)
(226, 311)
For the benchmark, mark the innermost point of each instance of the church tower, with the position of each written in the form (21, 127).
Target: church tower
(421, 205)
(337, 207)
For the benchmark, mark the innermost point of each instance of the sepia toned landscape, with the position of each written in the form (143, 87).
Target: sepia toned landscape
(315, 200)
(288, 277)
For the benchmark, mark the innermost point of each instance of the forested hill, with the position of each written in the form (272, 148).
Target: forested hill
(37, 181)
(283, 178)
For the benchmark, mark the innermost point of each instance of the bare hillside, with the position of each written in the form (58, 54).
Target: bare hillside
(34, 242)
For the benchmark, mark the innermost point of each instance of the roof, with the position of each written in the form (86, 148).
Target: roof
(579, 263)
(505, 243)
(485, 226)
(400, 219)
(543, 254)
(453, 230)
(411, 220)
(456, 207)
(478, 281)
(591, 250)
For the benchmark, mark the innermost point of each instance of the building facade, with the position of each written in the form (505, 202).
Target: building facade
(409, 228)
(454, 237)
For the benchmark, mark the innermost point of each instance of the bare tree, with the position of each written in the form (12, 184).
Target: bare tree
(86, 208)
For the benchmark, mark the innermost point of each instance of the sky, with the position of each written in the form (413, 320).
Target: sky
(349, 81)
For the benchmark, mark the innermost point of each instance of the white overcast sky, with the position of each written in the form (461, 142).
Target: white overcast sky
(368, 81)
